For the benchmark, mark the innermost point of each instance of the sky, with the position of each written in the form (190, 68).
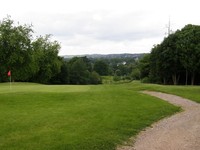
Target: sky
(103, 26)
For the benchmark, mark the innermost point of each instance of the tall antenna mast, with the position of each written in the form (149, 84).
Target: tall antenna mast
(169, 27)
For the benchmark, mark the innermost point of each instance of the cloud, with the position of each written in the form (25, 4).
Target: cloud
(97, 31)
(106, 32)
(96, 24)
(102, 26)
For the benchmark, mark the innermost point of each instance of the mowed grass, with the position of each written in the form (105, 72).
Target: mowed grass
(51, 117)
(190, 92)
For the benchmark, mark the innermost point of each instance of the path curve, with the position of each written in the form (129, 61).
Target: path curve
(178, 132)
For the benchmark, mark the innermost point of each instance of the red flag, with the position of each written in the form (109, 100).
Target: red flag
(9, 73)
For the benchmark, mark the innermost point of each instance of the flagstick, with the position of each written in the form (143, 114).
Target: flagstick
(10, 83)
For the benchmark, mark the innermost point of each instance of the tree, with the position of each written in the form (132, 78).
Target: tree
(155, 73)
(170, 56)
(136, 74)
(45, 55)
(78, 72)
(63, 76)
(15, 49)
(143, 67)
(101, 68)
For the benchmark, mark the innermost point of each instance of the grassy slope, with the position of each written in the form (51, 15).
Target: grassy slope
(35, 117)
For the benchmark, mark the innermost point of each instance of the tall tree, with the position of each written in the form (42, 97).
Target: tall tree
(15, 49)
(170, 56)
(155, 73)
(45, 53)
(190, 45)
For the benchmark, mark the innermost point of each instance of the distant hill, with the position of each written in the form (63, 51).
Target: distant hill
(107, 56)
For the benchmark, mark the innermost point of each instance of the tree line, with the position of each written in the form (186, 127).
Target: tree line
(176, 60)
(35, 59)
(32, 59)
(83, 70)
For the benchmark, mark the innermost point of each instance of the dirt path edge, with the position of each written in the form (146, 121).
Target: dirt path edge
(178, 132)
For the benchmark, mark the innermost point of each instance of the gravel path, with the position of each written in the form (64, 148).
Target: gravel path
(178, 132)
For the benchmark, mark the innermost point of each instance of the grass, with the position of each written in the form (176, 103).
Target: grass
(190, 92)
(67, 117)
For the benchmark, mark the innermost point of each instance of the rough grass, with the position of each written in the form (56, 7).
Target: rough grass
(38, 117)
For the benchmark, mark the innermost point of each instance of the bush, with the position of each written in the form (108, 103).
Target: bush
(116, 78)
(145, 80)
(95, 78)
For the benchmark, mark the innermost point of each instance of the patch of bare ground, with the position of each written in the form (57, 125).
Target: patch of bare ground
(178, 132)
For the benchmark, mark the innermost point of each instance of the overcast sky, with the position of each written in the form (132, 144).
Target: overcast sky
(103, 26)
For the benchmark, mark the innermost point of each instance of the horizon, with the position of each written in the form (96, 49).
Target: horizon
(105, 54)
